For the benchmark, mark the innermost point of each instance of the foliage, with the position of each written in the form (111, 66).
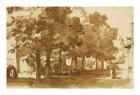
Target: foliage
(45, 29)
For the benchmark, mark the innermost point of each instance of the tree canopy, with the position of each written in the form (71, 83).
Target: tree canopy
(49, 28)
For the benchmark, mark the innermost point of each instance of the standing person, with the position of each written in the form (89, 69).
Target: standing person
(113, 72)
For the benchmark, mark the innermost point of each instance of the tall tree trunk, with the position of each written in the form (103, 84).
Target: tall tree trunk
(75, 61)
(60, 61)
(17, 62)
(83, 65)
(47, 66)
(97, 65)
(113, 73)
(48, 62)
(38, 72)
(102, 64)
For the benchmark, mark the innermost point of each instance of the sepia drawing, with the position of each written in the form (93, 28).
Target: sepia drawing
(70, 47)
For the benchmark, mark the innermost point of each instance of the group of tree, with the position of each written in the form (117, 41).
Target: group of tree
(40, 30)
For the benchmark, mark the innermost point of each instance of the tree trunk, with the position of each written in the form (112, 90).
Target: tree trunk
(17, 62)
(97, 67)
(60, 61)
(75, 61)
(47, 66)
(113, 73)
(38, 72)
(83, 65)
(48, 62)
(102, 64)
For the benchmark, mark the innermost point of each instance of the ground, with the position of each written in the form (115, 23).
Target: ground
(86, 80)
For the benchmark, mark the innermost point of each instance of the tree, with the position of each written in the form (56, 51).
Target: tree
(74, 31)
(91, 41)
(106, 35)
(54, 22)
(23, 29)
